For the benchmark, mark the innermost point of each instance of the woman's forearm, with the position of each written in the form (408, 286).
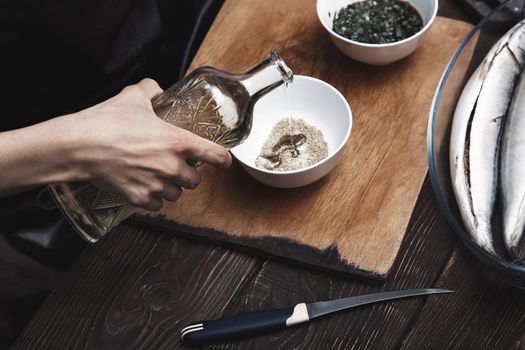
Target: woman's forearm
(119, 145)
(37, 155)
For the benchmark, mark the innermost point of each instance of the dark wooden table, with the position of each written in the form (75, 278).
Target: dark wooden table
(138, 287)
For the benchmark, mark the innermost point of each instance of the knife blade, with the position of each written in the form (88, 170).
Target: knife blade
(263, 321)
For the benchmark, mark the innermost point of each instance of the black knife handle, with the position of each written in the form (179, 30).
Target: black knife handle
(242, 325)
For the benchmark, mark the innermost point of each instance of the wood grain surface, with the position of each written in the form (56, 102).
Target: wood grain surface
(144, 301)
(484, 314)
(354, 220)
(379, 326)
(137, 288)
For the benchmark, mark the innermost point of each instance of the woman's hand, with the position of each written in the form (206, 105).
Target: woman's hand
(122, 147)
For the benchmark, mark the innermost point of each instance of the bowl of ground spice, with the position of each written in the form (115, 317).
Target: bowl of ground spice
(298, 134)
(377, 32)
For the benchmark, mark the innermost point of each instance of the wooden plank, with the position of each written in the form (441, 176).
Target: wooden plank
(426, 249)
(354, 220)
(483, 313)
(135, 289)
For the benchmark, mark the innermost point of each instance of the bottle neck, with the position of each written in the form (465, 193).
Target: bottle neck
(266, 75)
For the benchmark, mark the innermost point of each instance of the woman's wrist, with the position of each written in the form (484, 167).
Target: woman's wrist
(66, 149)
(40, 154)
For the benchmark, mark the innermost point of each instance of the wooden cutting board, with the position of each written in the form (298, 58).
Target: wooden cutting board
(354, 219)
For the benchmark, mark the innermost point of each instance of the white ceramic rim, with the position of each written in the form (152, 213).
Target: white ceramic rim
(337, 150)
(419, 33)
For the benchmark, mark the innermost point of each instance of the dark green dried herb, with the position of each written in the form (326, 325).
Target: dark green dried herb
(378, 21)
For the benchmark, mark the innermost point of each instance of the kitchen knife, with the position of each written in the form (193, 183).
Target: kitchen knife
(262, 321)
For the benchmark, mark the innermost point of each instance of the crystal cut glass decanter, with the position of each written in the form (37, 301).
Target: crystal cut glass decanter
(212, 104)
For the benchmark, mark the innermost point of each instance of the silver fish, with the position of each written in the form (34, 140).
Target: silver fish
(476, 130)
(513, 173)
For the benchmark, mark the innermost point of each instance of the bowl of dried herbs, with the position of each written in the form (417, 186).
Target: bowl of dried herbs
(377, 32)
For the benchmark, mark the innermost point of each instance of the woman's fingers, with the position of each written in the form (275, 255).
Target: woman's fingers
(151, 198)
(199, 149)
(153, 204)
(171, 193)
(185, 175)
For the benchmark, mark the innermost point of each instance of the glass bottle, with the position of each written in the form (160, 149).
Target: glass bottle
(210, 103)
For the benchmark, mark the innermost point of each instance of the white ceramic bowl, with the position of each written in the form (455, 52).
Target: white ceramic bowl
(376, 54)
(317, 103)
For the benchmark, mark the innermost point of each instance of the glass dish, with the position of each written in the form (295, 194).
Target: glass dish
(464, 61)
